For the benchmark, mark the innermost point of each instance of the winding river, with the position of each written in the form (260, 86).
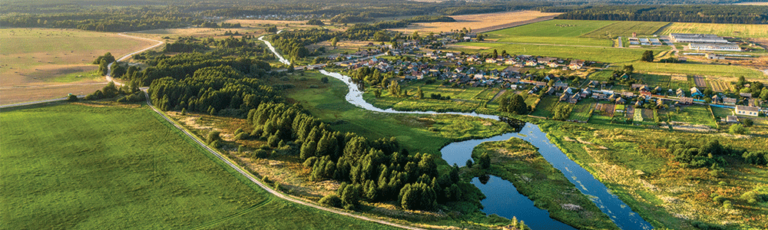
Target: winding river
(502, 197)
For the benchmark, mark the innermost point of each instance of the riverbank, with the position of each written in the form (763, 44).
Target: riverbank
(519, 162)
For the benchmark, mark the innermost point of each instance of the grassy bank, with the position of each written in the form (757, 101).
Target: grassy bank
(90, 166)
(518, 161)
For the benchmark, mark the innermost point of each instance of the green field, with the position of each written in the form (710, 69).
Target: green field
(93, 167)
(698, 69)
(697, 115)
(606, 54)
(566, 32)
(625, 29)
(419, 133)
(79, 76)
(546, 106)
(581, 110)
(730, 30)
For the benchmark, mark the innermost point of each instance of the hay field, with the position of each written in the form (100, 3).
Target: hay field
(729, 30)
(481, 22)
(32, 59)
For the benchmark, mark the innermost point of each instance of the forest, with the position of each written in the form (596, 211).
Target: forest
(669, 13)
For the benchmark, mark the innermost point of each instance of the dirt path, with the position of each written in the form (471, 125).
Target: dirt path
(501, 92)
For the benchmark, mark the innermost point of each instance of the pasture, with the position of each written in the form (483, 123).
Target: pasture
(480, 22)
(36, 62)
(625, 29)
(563, 32)
(96, 166)
(730, 30)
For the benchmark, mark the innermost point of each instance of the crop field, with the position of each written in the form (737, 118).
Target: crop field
(604, 109)
(84, 166)
(37, 62)
(581, 110)
(698, 69)
(606, 54)
(653, 80)
(420, 133)
(564, 32)
(730, 30)
(545, 107)
(480, 22)
(625, 29)
(637, 115)
(699, 81)
(719, 85)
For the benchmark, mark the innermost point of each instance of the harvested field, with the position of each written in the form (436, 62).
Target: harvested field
(719, 86)
(699, 80)
(34, 59)
(481, 22)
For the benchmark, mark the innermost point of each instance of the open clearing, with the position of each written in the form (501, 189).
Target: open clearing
(33, 59)
(730, 30)
(82, 166)
(481, 22)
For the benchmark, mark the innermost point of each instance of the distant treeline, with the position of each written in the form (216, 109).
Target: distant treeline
(668, 13)
(108, 20)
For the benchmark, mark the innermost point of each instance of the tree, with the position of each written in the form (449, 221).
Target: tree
(469, 163)
(110, 90)
(748, 122)
(331, 200)
(485, 161)
(334, 40)
(738, 129)
(647, 56)
(213, 136)
(513, 104)
(419, 93)
(629, 69)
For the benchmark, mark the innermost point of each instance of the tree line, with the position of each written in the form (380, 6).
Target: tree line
(371, 170)
(669, 13)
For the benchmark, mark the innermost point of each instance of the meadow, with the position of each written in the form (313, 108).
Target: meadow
(625, 29)
(520, 162)
(97, 166)
(698, 115)
(630, 161)
(698, 69)
(729, 30)
(37, 62)
(563, 32)
(605, 54)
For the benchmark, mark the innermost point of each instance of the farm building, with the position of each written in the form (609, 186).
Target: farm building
(729, 101)
(747, 110)
(698, 38)
(714, 57)
(686, 100)
(731, 119)
(714, 47)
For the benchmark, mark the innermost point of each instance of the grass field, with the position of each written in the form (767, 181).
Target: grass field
(697, 115)
(81, 166)
(730, 30)
(625, 29)
(581, 110)
(36, 61)
(546, 106)
(420, 133)
(606, 54)
(564, 32)
(478, 22)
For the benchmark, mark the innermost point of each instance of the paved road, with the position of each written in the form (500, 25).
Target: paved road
(109, 67)
(257, 182)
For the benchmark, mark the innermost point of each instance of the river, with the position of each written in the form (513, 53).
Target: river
(502, 197)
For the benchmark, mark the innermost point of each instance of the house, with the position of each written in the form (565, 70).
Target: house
(574, 99)
(531, 63)
(686, 100)
(551, 90)
(598, 96)
(553, 64)
(628, 94)
(638, 86)
(659, 102)
(646, 95)
(680, 92)
(729, 101)
(745, 95)
(716, 99)
(639, 103)
(620, 101)
(490, 60)
(696, 93)
(564, 97)
(747, 110)
(576, 64)
(731, 119)
(510, 62)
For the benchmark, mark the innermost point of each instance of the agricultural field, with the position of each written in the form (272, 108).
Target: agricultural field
(97, 166)
(562, 32)
(42, 64)
(480, 22)
(698, 69)
(605, 54)
(720, 85)
(729, 30)
(625, 29)
(545, 107)
(581, 110)
(721, 112)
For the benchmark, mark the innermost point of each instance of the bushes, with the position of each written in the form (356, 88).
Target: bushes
(72, 98)
(213, 136)
(331, 200)
(757, 158)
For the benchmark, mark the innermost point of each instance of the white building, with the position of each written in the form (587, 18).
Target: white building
(697, 38)
(747, 110)
(714, 47)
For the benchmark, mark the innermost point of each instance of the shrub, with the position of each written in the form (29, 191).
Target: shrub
(727, 204)
(469, 163)
(719, 199)
(738, 129)
(72, 98)
(748, 122)
(241, 136)
(331, 200)
(273, 141)
(213, 136)
(261, 153)
(215, 144)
